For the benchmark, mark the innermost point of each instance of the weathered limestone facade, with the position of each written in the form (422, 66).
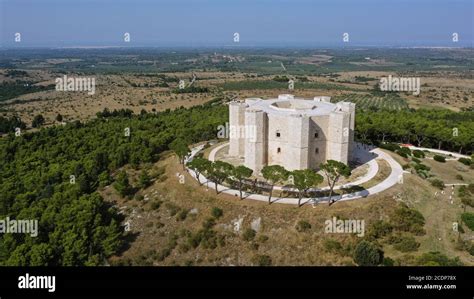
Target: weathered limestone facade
(292, 132)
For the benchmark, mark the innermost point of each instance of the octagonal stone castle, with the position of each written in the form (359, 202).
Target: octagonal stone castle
(292, 132)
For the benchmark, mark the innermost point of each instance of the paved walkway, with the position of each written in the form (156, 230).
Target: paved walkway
(396, 175)
(362, 154)
(437, 151)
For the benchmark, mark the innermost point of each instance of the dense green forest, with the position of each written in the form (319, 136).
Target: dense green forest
(8, 124)
(442, 129)
(13, 90)
(76, 227)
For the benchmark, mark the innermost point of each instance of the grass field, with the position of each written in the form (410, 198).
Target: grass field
(163, 233)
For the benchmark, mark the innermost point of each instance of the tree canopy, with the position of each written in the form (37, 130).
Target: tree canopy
(240, 173)
(305, 179)
(76, 226)
(274, 174)
(333, 170)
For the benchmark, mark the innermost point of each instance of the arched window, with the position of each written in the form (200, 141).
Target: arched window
(278, 150)
(316, 150)
(277, 133)
(316, 134)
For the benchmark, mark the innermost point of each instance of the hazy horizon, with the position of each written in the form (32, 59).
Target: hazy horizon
(260, 23)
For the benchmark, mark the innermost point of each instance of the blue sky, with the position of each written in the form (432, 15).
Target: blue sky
(259, 22)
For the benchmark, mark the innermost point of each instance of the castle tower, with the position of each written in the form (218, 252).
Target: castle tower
(299, 142)
(339, 134)
(236, 125)
(349, 108)
(256, 147)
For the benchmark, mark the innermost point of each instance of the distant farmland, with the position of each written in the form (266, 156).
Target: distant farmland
(272, 84)
(366, 101)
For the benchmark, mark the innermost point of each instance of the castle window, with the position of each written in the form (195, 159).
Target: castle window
(278, 150)
(317, 150)
(278, 134)
(316, 135)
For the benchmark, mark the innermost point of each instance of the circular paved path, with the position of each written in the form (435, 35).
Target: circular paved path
(368, 155)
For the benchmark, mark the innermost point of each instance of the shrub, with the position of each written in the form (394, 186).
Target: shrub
(280, 79)
(418, 154)
(122, 184)
(466, 196)
(194, 240)
(262, 260)
(162, 178)
(470, 188)
(388, 262)
(406, 244)
(172, 208)
(221, 240)
(332, 245)
(468, 219)
(155, 205)
(420, 166)
(439, 158)
(249, 234)
(208, 238)
(471, 250)
(465, 161)
(144, 179)
(416, 160)
(394, 239)
(423, 174)
(104, 179)
(459, 177)
(407, 220)
(402, 154)
(389, 146)
(209, 223)
(379, 229)
(422, 170)
(367, 254)
(216, 212)
(303, 226)
(183, 248)
(404, 150)
(254, 246)
(182, 215)
(437, 183)
(38, 121)
(435, 258)
(164, 253)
